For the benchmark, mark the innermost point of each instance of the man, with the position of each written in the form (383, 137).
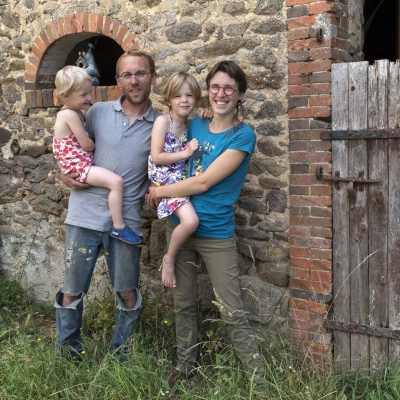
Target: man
(121, 130)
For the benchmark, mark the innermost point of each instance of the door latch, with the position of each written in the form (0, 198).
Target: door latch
(352, 183)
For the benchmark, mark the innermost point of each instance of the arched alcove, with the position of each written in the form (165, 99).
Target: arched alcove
(59, 44)
(65, 51)
(106, 53)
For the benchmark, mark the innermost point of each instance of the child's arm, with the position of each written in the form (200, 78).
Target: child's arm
(223, 166)
(159, 157)
(70, 119)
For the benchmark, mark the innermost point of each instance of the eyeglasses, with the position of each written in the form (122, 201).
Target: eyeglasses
(127, 76)
(228, 91)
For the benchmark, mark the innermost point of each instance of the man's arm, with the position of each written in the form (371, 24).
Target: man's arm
(70, 181)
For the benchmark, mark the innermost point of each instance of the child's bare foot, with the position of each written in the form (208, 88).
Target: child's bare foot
(168, 273)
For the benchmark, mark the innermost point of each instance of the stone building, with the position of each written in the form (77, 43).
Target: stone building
(284, 215)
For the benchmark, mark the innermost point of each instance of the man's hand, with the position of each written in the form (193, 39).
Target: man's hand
(151, 199)
(71, 182)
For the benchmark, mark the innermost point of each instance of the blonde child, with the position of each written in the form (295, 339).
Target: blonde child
(73, 149)
(168, 159)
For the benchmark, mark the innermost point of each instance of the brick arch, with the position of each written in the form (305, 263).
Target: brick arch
(62, 35)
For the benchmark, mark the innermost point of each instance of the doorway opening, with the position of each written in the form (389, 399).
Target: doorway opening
(381, 30)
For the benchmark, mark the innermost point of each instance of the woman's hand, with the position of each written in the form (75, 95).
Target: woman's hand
(70, 181)
(151, 200)
(220, 168)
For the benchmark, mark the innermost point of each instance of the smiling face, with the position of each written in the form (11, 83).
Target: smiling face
(183, 102)
(136, 91)
(221, 103)
(80, 99)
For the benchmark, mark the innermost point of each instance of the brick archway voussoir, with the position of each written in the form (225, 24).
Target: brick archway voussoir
(73, 24)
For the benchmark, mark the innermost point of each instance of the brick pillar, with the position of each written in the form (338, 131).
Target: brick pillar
(317, 37)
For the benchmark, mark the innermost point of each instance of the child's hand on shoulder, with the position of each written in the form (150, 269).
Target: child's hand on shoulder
(207, 113)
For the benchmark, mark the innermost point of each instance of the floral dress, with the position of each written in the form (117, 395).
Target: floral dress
(71, 157)
(166, 174)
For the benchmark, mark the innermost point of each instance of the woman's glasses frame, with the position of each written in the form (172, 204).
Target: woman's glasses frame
(228, 91)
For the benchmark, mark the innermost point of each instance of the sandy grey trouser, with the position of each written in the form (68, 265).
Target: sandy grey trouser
(220, 258)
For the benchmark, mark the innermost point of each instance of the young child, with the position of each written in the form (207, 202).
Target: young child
(73, 149)
(170, 151)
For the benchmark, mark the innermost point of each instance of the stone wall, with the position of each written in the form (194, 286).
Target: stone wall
(356, 33)
(189, 35)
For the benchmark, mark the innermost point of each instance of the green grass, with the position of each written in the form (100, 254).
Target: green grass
(31, 369)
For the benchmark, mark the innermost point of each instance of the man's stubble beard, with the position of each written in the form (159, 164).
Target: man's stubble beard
(144, 97)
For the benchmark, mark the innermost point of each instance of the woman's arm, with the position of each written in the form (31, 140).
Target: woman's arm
(159, 157)
(220, 168)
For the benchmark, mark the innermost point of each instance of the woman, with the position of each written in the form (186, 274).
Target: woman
(217, 172)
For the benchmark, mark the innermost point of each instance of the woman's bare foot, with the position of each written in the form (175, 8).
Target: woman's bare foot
(168, 273)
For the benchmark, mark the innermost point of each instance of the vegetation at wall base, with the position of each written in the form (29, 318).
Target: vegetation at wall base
(30, 368)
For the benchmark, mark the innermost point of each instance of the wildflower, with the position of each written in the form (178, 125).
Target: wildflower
(83, 352)
(39, 339)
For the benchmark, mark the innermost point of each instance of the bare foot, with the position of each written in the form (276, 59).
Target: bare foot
(168, 273)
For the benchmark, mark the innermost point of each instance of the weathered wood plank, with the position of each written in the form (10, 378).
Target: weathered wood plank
(394, 242)
(373, 107)
(377, 214)
(341, 250)
(383, 90)
(394, 95)
(359, 304)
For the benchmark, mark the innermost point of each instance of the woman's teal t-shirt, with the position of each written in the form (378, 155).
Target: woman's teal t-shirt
(214, 207)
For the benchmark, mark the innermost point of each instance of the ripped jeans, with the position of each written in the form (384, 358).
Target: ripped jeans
(82, 248)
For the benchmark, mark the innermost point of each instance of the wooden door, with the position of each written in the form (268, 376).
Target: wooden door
(366, 216)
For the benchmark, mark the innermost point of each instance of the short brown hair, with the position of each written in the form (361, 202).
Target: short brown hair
(236, 73)
(138, 53)
(233, 70)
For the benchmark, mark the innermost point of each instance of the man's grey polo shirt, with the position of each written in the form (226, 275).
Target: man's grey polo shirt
(122, 149)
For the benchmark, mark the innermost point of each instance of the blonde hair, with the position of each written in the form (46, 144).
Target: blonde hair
(171, 83)
(69, 79)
